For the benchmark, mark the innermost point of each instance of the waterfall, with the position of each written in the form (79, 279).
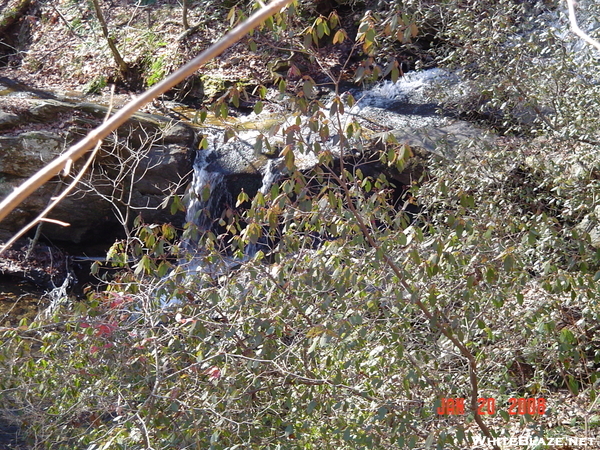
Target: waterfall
(206, 192)
(409, 102)
(392, 105)
(272, 174)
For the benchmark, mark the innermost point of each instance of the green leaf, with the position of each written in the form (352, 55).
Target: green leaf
(490, 275)
(320, 29)
(308, 87)
(203, 143)
(307, 40)
(334, 109)
(163, 269)
(143, 266)
(252, 233)
(258, 145)
(350, 101)
(258, 107)
(366, 184)
(395, 74)
(289, 158)
(176, 205)
(228, 134)
(509, 263)
(205, 194)
(242, 197)
(223, 110)
(430, 439)
(573, 385)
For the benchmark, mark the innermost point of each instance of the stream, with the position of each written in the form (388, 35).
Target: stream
(405, 107)
(222, 169)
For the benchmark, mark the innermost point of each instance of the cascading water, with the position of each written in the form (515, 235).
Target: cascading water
(405, 103)
(271, 175)
(388, 105)
(206, 192)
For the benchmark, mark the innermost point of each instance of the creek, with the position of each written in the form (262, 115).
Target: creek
(405, 108)
(222, 168)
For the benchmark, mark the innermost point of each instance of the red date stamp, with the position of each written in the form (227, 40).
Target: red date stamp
(521, 406)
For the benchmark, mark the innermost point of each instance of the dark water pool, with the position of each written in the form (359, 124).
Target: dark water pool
(19, 300)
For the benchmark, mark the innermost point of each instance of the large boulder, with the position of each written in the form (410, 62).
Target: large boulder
(146, 160)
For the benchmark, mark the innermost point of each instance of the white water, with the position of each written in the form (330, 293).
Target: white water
(390, 105)
(206, 191)
(406, 103)
(271, 175)
(413, 88)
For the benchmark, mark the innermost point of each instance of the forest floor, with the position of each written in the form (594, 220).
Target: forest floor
(61, 47)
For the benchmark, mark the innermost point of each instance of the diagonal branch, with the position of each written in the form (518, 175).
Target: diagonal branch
(42, 216)
(575, 26)
(78, 150)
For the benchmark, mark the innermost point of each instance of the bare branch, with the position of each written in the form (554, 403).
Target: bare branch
(55, 200)
(78, 150)
(575, 26)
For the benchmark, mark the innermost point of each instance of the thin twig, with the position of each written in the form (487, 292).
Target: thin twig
(40, 218)
(66, 22)
(78, 150)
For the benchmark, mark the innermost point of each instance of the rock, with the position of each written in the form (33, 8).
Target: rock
(155, 150)
(23, 155)
(49, 110)
(8, 120)
(45, 267)
(445, 141)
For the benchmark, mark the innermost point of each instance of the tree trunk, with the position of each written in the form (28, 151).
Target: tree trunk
(184, 18)
(123, 67)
